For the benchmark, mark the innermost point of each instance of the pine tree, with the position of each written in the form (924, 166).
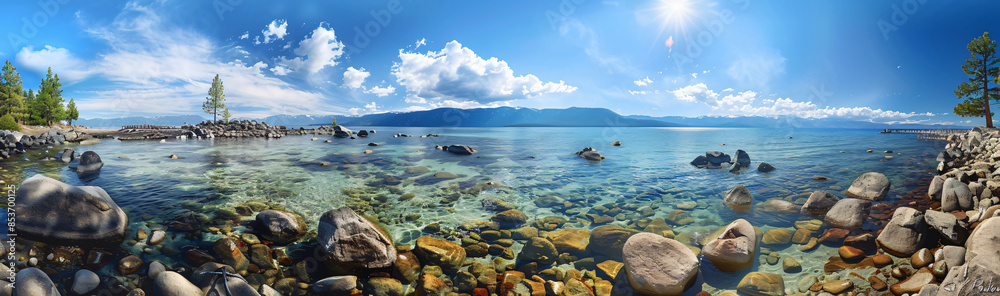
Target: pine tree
(215, 100)
(225, 114)
(71, 112)
(11, 93)
(47, 107)
(977, 92)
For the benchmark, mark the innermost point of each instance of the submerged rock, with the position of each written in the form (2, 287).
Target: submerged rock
(739, 198)
(849, 213)
(351, 241)
(34, 282)
(762, 284)
(281, 227)
(733, 250)
(659, 266)
(447, 255)
(764, 167)
(870, 185)
(169, 283)
(460, 149)
(55, 212)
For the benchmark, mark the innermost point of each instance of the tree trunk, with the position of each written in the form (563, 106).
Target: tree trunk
(986, 93)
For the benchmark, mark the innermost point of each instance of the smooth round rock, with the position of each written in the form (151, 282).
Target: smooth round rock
(870, 186)
(58, 213)
(34, 282)
(85, 281)
(659, 266)
(761, 283)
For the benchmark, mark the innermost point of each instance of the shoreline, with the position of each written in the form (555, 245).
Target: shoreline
(600, 278)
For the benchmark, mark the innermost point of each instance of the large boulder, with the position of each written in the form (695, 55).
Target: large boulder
(905, 233)
(350, 241)
(733, 250)
(342, 132)
(55, 212)
(281, 227)
(90, 162)
(461, 149)
(765, 167)
(849, 213)
(955, 195)
(169, 283)
(983, 246)
(608, 240)
(947, 225)
(819, 203)
(447, 255)
(742, 158)
(539, 250)
(208, 277)
(870, 185)
(34, 282)
(739, 198)
(590, 154)
(657, 265)
(700, 161)
(362, 133)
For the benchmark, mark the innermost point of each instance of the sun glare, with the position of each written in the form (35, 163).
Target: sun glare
(675, 14)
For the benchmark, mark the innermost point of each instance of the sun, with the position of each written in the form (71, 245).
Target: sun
(676, 14)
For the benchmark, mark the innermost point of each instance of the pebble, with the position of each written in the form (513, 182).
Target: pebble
(85, 281)
(837, 287)
(129, 264)
(157, 237)
(921, 258)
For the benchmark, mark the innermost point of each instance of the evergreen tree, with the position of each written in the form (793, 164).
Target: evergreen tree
(71, 112)
(215, 100)
(225, 114)
(47, 106)
(981, 68)
(11, 93)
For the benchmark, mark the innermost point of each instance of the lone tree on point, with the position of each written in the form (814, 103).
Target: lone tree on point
(981, 68)
(215, 100)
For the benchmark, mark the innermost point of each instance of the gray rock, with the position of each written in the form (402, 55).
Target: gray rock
(983, 246)
(764, 167)
(870, 185)
(350, 240)
(281, 227)
(155, 268)
(90, 163)
(267, 290)
(739, 198)
(904, 234)
(34, 282)
(743, 158)
(970, 279)
(849, 213)
(946, 224)
(85, 281)
(461, 149)
(819, 203)
(169, 283)
(717, 157)
(342, 132)
(590, 154)
(936, 187)
(66, 155)
(953, 255)
(56, 212)
(210, 279)
(955, 195)
(658, 265)
(700, 161)
(335, 284)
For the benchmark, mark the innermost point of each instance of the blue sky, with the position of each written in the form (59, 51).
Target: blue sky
(883, 61)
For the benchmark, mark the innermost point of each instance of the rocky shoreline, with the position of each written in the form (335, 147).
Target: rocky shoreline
(14, 142)
(945, 244)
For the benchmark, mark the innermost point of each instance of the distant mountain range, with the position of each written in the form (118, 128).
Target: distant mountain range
(513, 117)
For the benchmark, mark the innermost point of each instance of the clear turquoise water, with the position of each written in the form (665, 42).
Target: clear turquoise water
(651, 168)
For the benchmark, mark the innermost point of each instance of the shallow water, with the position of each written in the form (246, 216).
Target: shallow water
(650, 169)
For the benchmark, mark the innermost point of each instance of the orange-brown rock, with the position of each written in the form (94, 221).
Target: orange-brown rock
(876, 283)
(837, 287)
(850, 254)
(881, 260)
(913, 284)
(835, 264)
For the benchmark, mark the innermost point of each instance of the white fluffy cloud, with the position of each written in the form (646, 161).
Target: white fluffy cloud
(747, 104)
(757, 69)
(69, 68)
(381, 91)
(156, 68)
(318, 50)
(695, 93)
(456, 73)
(643, 82)
(353, 78)
(276, 30)
(245, 35)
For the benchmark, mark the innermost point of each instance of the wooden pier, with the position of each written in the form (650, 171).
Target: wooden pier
(927, 133)
(146, 127)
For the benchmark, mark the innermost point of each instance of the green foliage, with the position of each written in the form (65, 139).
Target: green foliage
(334, 121)
(47, 107)
(216, 99)
(981, 68)
(7, 123)
(226, 115)
(12, 93)
(71, 112)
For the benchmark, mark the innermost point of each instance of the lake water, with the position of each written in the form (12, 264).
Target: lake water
(651, 168)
